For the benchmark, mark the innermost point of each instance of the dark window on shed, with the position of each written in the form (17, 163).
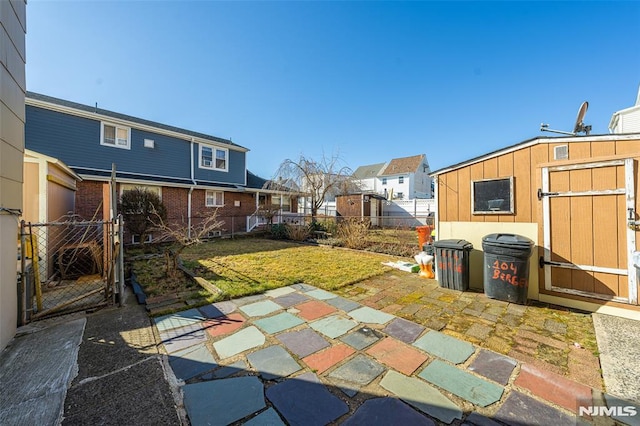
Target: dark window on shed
(492, 196)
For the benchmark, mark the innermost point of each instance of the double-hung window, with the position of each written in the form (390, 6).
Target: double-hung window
(213, 158)
(401, 179)
(214, 198)
(116, 136)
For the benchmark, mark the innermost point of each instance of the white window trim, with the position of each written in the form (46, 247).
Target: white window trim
(117, 126)
(213, 162)
(206, 198)
(133, 238)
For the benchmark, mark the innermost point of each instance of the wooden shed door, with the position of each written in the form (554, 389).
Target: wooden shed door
(587, 242)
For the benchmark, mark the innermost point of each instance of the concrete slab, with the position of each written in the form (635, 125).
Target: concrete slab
(290, 300)
(268, 417)
(260, 309)
(422, 396)
(493, 366)
(387, 411)
(303, 342)
(218, 309)
(619, 350)
(404, 330)
(179, 319)
(321, 294)
(277, 292)
(343, 304)
(238, 342)
(362, 337)
(304, 400)
(520, 409)
(273, 362)
(397, 355)
(278, 323)
(220, 402)
(333, 326)
(370, 315)
(360, 370)
(183, 337)
(446, 347)
(36, 371)
(192, 361)
(465, 385)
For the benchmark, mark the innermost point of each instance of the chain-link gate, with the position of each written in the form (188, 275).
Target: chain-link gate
(67, 266)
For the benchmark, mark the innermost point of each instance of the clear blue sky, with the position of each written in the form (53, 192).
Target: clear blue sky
(368, 81)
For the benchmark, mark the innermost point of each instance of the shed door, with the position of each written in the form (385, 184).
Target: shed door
(587, 242)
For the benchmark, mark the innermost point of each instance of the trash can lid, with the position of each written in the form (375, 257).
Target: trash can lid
(454, 244)
(507, 240)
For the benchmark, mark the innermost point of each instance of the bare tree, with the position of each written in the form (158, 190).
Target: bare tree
(317, 179)
(184, 236)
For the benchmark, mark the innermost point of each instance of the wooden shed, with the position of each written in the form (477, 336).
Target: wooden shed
(576, 197)
(360, 205)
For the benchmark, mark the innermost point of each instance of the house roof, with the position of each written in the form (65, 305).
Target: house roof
(403, 165)
(535, 141)
(368, 172)
(103, 112)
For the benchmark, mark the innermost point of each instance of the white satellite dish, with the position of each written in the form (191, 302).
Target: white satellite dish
(578, 127)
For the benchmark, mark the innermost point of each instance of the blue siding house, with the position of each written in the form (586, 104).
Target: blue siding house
(192, 172)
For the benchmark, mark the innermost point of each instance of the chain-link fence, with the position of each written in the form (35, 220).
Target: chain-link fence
(68, 265)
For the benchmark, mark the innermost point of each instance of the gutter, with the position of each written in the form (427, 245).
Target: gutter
(191, 187)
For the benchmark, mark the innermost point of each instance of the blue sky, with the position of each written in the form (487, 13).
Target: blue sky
(368, 81)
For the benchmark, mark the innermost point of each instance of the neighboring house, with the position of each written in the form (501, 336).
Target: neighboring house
(193, 173)
(12, 90)
(626, 120)
(406, 178)
(575, 197)
(367, 178)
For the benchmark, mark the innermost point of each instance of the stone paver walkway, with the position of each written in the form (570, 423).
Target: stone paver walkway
(301, 355)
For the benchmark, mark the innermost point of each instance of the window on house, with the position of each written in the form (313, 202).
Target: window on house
(116, 136)
(214, 198)
(401, 179)
(129, 186)
(135, 238)
(282, 200)
(492, 196)
(384, 181)
(399, 195)
(213, 158)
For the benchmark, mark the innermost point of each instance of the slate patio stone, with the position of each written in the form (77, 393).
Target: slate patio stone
(192, 361)
(613, 401)
(303, 287)
(446, 347)
(321, 294)
(224, 325)
(422, 396)
(333, 326)
(478, 419)
(360, 370)
(277, 292)
(387, 411)
(289, 300)
(260, 309)
(180, 338)
(218, 309)
(273, 362)
(362, 337)
(227, 370)
(179, 319)
(370, 315)
(404, 330)
(278, 323)
(322, 361)
(304, 400)
(303, 342)
(344, 304)
(314, 309)
(520, 409)
(465, 385)
(238, 342)
(268, 417)
(397, 355)
(220, 402)
(249, 299)
(493, 366)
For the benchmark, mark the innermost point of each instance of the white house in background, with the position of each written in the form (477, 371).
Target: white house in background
(626, 120)
(406, 178)
(367, 178)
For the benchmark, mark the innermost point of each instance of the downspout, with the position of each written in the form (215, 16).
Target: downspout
(191, 188)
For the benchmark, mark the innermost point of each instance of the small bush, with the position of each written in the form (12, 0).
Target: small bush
(297, 232)
(353, 233)
(279, 231)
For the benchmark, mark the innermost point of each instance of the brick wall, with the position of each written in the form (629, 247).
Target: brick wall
(89, 200)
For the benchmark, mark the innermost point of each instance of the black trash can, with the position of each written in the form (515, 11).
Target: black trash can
(428, 248)
(452, 263)
(506, 266)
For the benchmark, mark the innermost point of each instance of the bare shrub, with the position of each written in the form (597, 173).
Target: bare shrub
(353, 233)
(297, 232)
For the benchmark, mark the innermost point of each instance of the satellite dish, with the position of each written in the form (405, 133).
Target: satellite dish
(579, 127)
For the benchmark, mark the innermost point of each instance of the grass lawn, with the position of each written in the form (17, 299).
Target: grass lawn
(247, 266)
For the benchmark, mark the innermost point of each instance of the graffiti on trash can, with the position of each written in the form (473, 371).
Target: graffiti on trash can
(451, 262)
(508, 272)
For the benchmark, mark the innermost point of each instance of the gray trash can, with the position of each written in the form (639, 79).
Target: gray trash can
(506, 266)
(452, 263)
